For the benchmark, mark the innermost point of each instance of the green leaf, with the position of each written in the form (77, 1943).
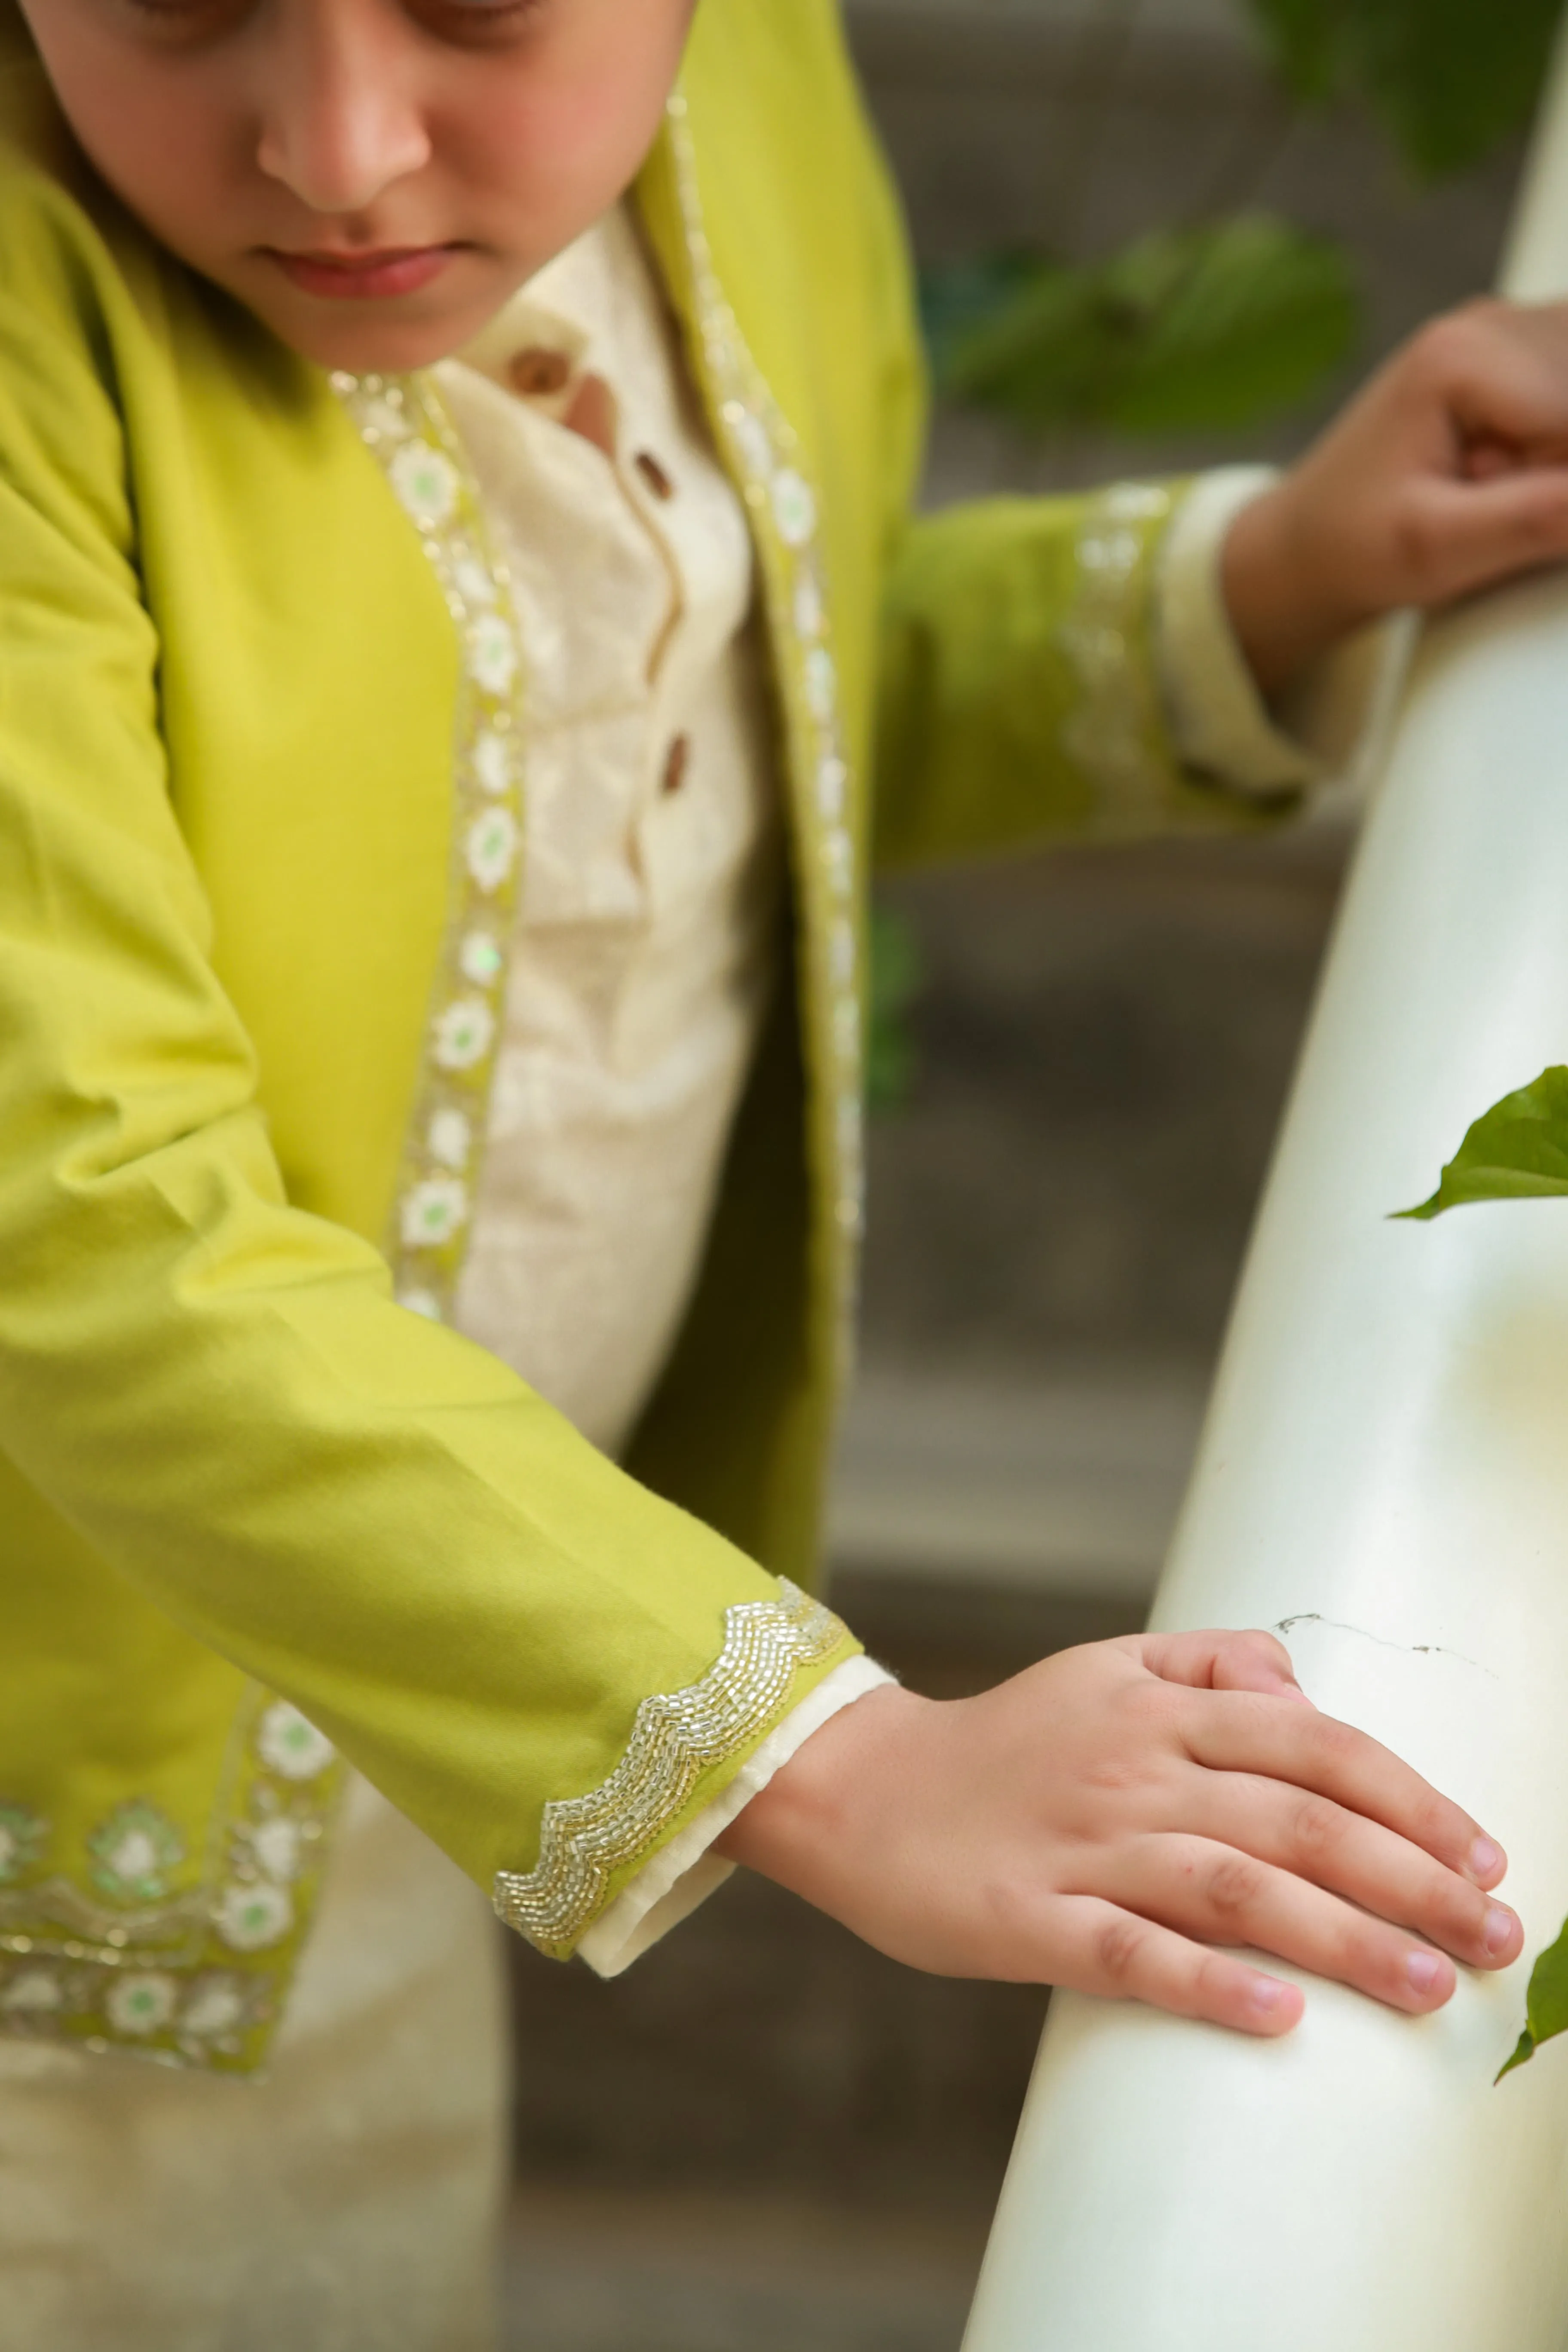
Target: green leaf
(1518, 1151)
(1207, 329)
(1449, 79)
(1545, 2004)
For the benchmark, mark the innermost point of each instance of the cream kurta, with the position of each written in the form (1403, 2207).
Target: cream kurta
(346, 2202)
(652, 877)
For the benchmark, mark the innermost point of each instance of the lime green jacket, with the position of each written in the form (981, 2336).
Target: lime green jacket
(259, 820)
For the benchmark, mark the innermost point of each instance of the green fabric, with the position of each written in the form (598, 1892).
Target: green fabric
(977, 691)
(226, 689)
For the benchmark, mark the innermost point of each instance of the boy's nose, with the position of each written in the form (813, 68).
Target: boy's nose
(341, 160)
(339, 125)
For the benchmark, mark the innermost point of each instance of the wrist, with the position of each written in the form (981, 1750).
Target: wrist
(1285, 615)
(801, 1829)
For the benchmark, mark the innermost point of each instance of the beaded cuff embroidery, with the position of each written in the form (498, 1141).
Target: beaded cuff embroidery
(586, 1841)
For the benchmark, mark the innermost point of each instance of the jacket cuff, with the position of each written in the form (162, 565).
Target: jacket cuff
(1220, 723)
(683, 1744)
(686, 1872)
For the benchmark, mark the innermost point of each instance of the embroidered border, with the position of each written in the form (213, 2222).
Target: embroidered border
(584, 1840)
(765, 459)
(193, 1978)
(403, 426)
(189, 1979)
(1113, 732)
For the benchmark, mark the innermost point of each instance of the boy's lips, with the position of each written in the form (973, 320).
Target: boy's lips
(363, 277)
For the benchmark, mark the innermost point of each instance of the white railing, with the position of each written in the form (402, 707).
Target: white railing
(1384, 1471)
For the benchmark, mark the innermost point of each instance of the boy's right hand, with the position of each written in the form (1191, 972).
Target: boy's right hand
(1103, 1820)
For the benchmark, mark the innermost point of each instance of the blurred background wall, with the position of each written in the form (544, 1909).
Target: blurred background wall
(766, 2136)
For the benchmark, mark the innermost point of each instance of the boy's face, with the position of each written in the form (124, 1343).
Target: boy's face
(373, 177)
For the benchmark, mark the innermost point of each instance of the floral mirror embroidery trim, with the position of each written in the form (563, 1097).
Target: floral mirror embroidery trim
(134, 1853)
(765, 458)
(402, 423)
(586, 1841)
(192, 1978)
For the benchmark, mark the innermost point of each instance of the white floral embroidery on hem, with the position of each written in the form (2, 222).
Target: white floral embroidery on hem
(290, 1744)
(108, 1970)
(134, 1853)
(140, 2005)
(251, 1918)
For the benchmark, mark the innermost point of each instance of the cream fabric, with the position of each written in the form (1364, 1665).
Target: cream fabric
(645, 954)
(1324, 731)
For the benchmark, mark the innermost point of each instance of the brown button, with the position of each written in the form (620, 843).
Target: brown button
(538, 372)
(676, 760)
(654, 475)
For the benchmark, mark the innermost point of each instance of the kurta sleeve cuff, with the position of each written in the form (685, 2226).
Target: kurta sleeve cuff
(1220, 723)
(684, 1873)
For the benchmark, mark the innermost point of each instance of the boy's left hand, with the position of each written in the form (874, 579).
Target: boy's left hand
(1107, 1817)
(1446, 474)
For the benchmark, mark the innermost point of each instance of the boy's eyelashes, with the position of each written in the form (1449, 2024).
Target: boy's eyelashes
(484, 16)
(479, 16)
(464, 19)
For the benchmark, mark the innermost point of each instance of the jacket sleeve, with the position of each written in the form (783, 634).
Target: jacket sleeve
(1018, 698)
(547, 1668)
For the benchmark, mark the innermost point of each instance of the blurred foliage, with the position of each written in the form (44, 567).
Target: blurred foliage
(1202, 329)
(1449, 80)
(897, 974)
(1216, 326)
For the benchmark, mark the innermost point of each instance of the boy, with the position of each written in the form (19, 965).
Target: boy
(296, 634)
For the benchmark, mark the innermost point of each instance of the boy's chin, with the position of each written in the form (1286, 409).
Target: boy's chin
(376, 338)
(376, 346)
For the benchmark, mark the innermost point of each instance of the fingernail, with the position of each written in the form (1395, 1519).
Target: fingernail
(1497, 1934)
(1486, 1859)
(1267, 1993)
(1423, 1968)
